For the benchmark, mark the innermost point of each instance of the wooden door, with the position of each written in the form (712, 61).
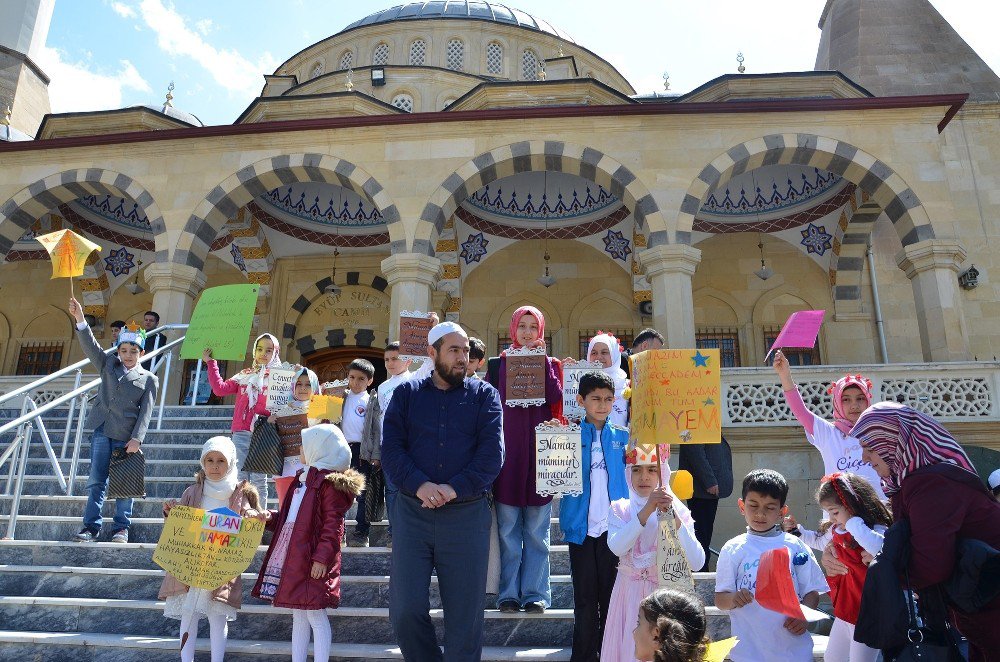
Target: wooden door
(331, 364)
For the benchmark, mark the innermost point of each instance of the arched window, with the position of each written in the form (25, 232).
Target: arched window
(404, 102)
(529, 65)
(418, 50)
(381, 54)
(347, 60)
(455, 55)
(494, 59)
(316, 71)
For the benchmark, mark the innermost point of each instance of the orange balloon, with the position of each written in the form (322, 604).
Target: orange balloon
(682, 484)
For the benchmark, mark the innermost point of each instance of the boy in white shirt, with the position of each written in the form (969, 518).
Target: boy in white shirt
(764, 634)
(360, 374)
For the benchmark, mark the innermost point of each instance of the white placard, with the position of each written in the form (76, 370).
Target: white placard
(558, 460)
(673, 569)
(571, 386)
(279, 386)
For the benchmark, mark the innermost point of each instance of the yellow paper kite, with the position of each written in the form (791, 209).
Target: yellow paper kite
(68, 252)
(718, 650)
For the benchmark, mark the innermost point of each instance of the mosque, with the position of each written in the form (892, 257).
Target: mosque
(466, 157)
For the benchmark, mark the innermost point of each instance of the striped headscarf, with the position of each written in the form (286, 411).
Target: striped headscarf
(907, 440)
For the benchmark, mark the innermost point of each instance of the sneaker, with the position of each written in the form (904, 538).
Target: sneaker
(85, 535)
(358, 541)
(121, 535)
(509, 607)
(534, 608)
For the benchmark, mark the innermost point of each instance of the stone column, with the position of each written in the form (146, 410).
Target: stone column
(412, 277)
(669, 269)
(932, 266)
(174, 288)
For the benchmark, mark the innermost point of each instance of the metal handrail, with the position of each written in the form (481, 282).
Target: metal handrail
(42, 381)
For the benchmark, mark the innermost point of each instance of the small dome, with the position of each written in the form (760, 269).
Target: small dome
(170, 111)
(11, 135)
(467, 9)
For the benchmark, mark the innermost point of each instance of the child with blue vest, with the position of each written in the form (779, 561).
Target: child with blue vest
(584, 518)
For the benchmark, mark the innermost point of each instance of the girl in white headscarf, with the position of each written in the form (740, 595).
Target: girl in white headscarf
(605, 349)
(216, 487)
(250, 388)
(633, 531)
(304, 386)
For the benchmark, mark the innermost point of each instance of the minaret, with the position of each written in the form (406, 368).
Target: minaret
(23, 85)
(901, 47)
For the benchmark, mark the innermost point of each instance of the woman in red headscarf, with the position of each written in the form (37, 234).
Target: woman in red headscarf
(523, 517)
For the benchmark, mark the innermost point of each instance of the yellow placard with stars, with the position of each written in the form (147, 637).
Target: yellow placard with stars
(676, 397)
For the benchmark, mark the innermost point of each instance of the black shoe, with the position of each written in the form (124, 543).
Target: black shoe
(534, 608)
(509, 607)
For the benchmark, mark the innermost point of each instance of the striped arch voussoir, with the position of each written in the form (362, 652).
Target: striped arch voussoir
(848, 268)
(528, 156)
(871, 175)
(225, 200)
(318, 289)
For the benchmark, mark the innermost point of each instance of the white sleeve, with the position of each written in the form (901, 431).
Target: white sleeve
(426, 366)
(692, 548)
(815, 540)
(82, 325)
(822, 431)
(622, 535)
(870, 539)
(725, 572)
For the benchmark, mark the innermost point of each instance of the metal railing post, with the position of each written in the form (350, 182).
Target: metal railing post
(40, 424)
(76, 446)
(12, 450)
(15, 505)
(197, 383)
(163, 388)
(69, 416)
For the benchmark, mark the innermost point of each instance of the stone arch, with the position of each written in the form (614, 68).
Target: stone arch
(882, 184)
(739, 310)
(847, 272)
(20, 212)
(309, 296)
(538, 155)
(585, 302)
(226, 199)
(500, 319)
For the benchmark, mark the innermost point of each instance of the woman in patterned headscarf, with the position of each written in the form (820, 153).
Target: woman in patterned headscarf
(930, 481)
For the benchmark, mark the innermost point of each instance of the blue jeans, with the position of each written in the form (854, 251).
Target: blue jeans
(524, 553)
(97, 484)
(242, 442)
(454, 540)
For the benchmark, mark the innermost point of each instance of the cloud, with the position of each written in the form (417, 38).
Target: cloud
(123, 10)
(204, 26)
(74, 87)
(228, 67)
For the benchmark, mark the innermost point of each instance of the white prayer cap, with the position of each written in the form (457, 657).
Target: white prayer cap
(444, 328)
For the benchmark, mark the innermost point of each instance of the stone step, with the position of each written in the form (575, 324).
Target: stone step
(101, 647)
(72, 506)
(188, 449)
(138, 617)
(354, 560)
(155, 467)
(8, 413)
(161, 487)
(147, 529)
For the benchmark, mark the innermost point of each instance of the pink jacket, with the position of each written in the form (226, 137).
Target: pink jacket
(243, 416)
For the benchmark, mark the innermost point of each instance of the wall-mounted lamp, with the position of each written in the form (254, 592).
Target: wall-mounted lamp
(378, 76)
(969, 279)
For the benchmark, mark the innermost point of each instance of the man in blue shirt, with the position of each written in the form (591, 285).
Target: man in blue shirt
(441, 446)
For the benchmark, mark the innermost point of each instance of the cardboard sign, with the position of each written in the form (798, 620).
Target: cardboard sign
(413, 329)
(558, 460)
(800, 331)
(207, 548)
(326, 407)
(676, 397)
(571, 387)
(221, 321)
(673, 569)
(279, 387)
(290, 433)
(526, 369)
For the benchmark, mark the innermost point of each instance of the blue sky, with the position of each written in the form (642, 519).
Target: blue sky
(113, 53)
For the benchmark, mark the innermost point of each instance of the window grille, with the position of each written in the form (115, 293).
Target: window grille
(418, 50)
(455, 55)
(380, 56)
(529, 65)
(347, 60)
(404, 102)
(726, 340)
(316, 71)
(494, 59)
(39, 358)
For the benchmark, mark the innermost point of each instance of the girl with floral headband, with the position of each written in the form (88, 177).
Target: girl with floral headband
(857, 523)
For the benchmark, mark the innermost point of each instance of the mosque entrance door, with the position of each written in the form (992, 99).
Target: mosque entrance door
(331, 364)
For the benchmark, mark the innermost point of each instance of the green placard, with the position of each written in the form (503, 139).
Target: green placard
(222, 321)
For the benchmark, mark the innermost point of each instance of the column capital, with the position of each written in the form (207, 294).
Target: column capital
(172, 277)
(669, 258)
(931, 254)
(411, 267)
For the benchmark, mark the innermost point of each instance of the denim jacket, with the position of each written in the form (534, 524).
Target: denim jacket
(573, 510)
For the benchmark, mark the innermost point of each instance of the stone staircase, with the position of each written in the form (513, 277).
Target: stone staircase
(61, 600)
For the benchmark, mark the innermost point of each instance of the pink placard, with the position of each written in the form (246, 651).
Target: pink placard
(800, 330)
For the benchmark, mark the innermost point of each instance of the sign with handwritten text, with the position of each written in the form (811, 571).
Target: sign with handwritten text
(571, 387)
(221, 321)
(558, 460)
(526, 370)
(413, 329)
(676, 397)
(673, 569)
(279, 386)
(207, 548)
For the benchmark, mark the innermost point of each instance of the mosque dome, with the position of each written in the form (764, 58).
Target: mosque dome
(167, 108)
(461, 9)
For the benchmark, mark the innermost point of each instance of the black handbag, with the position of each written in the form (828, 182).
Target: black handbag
(925, 644)
(126, 475)
(264, 455)
(374, 493)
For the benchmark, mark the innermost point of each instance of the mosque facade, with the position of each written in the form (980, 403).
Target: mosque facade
(468, 158)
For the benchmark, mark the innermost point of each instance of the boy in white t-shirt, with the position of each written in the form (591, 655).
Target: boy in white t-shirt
(764, 634)
(360, 374)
